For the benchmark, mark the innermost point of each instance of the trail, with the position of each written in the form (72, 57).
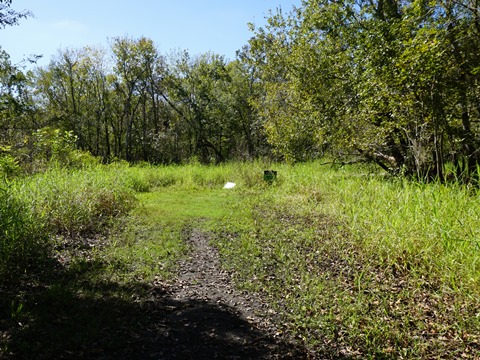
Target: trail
(210, 319)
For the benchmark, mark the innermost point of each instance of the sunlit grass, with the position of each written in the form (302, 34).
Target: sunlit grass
(433, 225)
(361, 264)
(157, 234)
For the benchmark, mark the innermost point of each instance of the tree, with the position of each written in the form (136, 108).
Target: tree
(10, 17)
(248, 136)
(139, 67)
(16, 104)
(198, 91)
(303, 73)
(14, 97)
(393, 82)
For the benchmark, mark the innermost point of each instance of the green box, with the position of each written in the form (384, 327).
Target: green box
(269, 175)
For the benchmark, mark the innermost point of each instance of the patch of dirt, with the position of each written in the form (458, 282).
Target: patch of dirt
(222, 321)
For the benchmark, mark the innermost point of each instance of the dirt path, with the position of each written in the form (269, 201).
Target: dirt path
(202, 278)
(200, 315)
(210, 319)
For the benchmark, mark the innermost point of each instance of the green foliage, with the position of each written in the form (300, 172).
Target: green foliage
(211, 98)
(53, 144)
(16, 106)
(9, 16)
(9, 166)
(77, 202)
(394, 83)
(149, 107)
(22, 240)
(49, 147)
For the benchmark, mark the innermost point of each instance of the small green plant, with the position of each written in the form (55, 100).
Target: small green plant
(16, 310)
(9, 166)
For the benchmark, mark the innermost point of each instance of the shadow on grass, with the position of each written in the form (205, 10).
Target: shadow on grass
(78, 317)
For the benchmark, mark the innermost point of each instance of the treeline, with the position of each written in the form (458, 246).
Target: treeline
(395, 83)
(133, 103)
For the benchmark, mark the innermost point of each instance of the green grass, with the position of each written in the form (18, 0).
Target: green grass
(156, 235)
(21, 239)
(76, 202)
(357, 264)
(361, 265)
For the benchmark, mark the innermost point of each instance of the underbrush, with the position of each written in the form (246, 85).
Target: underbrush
(361, 265)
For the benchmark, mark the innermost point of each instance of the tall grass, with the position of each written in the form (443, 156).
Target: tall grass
(76, 202)
(195, 176)
(362, 265)
(36, 209)
(21, 239)
(436, 223)
(430, 225)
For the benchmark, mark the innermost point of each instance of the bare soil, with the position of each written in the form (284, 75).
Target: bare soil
(210, 319)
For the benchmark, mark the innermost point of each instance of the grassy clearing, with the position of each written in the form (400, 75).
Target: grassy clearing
(45, 210)
(156, 235)
(173, 199)
(359, 265)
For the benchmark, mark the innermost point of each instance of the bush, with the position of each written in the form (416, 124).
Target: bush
(9, 166)
(47, 148)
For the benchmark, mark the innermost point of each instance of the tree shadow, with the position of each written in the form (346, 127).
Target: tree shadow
(72, 317)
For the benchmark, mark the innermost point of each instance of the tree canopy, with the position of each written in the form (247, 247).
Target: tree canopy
(389, 82)
(392, 82)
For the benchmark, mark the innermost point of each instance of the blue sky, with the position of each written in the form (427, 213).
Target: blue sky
(198, 26)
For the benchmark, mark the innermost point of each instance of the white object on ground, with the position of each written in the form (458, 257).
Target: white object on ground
(229, 185)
